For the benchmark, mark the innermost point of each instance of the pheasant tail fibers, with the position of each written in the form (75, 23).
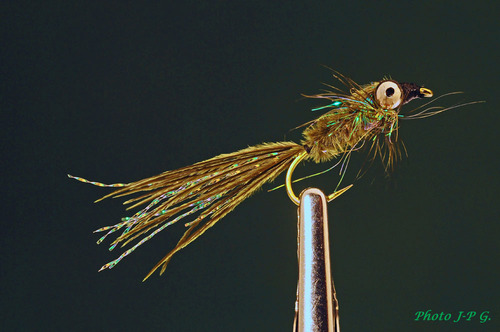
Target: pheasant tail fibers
(209, 190)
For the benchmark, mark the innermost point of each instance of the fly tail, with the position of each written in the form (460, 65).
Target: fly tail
(209, 189)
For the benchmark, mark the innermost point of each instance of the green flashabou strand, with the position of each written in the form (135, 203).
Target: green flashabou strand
(356, 122)
(390, 131)
(334, 104)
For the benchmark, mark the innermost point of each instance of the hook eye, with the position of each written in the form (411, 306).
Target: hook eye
(288, 182)
(426, 92)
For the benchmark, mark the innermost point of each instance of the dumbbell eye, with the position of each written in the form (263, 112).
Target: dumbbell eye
(388, 95)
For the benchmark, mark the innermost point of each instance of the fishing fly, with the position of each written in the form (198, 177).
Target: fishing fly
(366, 115)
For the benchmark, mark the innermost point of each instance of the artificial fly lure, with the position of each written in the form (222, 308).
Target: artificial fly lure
(366, 115)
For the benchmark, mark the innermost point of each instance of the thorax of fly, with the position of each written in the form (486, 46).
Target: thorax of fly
(350, 122)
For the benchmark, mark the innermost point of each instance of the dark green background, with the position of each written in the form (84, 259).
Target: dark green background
(120, 91)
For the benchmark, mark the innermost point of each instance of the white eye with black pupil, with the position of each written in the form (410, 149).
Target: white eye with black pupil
(388, 95)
